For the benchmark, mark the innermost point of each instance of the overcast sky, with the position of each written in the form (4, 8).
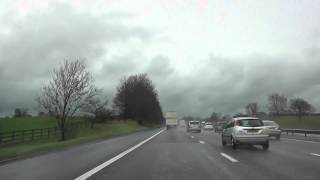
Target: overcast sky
(202, 55)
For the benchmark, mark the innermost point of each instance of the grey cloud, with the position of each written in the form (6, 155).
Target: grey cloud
(160, 67)
(227, 85)
(217, 83)
(39, 42)
(116, 67)
(61, 33)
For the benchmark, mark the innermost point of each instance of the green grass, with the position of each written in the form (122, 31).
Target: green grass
(306, 122)
(9, 124)
(23, 123)
(100, 131)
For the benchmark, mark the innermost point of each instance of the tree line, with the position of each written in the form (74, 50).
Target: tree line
(279, 105)
(71, 91)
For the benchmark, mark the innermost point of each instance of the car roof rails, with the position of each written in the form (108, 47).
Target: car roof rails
(242, 115)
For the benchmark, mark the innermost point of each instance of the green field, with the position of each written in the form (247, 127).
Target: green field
(100, 131)
(22, 123)
(306, 122)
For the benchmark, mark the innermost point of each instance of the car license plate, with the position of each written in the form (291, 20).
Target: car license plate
(252, 130)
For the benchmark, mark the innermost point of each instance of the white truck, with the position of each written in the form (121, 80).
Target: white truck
(171, 119)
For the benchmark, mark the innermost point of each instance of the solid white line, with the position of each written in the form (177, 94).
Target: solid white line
(202, 142)
(229, 157)
(112, 160)
(301, 140)
(314, 154)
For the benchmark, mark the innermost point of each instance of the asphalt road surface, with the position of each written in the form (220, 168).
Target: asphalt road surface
(172, 154)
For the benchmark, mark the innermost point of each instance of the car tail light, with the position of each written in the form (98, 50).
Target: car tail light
(237, 123)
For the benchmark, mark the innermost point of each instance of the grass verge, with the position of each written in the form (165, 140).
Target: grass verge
(306, 122)
(100, 131)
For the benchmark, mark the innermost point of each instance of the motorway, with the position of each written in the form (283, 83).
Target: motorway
(171, 154)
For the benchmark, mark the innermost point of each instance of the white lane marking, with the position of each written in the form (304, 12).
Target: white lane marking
(202, 142)
(192, 136)
(300, 140)
(112, 160)
(314, 154)
(229, 157)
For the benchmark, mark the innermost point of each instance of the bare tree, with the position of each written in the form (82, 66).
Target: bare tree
(277, 103)
(97, 107)
(70, 89)
(252, 109)
(301, 106)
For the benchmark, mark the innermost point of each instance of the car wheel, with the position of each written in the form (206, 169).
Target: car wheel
(278, 137)
(224, 143)
(265, 146)
(233, 143)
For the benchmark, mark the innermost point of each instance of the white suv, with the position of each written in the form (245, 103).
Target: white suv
(245, 130)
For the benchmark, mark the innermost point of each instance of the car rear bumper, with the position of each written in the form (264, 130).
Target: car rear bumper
(274, 132)
(262, 139)
(194, 129)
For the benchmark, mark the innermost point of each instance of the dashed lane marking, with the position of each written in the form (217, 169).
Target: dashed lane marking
(314, 154)
(229, 157)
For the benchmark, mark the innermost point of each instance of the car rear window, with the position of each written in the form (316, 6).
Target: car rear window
(251, 122)
(194, 122)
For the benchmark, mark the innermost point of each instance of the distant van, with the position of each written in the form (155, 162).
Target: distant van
(194, 126)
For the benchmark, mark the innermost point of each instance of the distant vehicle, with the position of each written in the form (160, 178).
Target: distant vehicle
(208, 127)
(203, 123)
(194, 126)
(182, 123)
(245, 130)
(171, 119)
(272, 128)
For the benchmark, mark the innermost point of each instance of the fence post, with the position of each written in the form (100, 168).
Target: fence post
(32, 134)
(23, 135)
(305, 134)
(13, 136)
(48, 133)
